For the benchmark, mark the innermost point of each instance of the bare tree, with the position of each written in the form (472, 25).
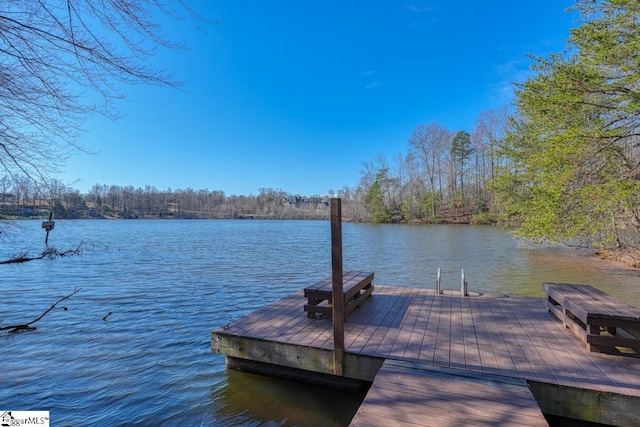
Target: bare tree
(490, 130)
(415, 189)
(386, 180)
(56, 56)
(399, 170)
(488, 135)
(430, 144)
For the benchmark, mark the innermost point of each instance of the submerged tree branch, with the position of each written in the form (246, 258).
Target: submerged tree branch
(27, 326)
(47, 253)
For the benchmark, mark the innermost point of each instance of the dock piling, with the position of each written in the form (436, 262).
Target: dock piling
(337, 285)
(463, 283)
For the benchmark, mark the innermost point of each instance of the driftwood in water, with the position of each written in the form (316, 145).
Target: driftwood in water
(47, 253)
(27, 326)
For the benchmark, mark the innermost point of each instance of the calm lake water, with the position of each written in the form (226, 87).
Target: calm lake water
(167, 284)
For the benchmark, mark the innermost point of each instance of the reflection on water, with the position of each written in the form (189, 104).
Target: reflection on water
(169, 283)
(492, 261)
(249, 397)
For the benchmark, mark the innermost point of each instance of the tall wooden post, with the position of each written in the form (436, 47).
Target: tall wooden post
(48, 226)
(337, 282)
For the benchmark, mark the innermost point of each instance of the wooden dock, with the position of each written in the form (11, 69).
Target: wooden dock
(446, 397)
(512, 338)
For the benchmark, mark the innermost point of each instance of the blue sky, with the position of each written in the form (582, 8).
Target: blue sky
(294, 95)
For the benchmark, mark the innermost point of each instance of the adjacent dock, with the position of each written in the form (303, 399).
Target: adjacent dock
(507, 340)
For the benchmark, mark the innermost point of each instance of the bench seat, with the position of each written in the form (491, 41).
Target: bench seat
(603, 322)
(356, 287)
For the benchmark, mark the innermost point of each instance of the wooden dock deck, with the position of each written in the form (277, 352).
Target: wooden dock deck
(510, 337)
(446, 397)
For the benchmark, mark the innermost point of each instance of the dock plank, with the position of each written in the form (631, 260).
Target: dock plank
(457, 358)
(428, 342)
(567, 353)
(540, 355)
(443, 333)
(369, 319)
(412, 350)
(407, 327)
(506, 362)
(385, 340)
(472, 357)
(515, 338)
(412, 394)
(439, 332)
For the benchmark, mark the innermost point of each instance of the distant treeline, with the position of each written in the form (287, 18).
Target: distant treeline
(22, 197)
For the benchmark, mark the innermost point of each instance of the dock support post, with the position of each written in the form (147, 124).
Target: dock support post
(463, 283)
(337, 285)
(438, 283)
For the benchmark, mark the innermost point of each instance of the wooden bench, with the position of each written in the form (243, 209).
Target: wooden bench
(603, 322)
(357, 287)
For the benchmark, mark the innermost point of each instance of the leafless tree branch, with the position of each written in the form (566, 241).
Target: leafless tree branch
(47, 253)
(63, 60)
(27, 326)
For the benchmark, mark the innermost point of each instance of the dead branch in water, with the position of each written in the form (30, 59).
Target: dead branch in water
(47, 253)
(21, 258)
(27, 326)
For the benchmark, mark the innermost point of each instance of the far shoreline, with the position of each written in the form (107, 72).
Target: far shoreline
(628, 257)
